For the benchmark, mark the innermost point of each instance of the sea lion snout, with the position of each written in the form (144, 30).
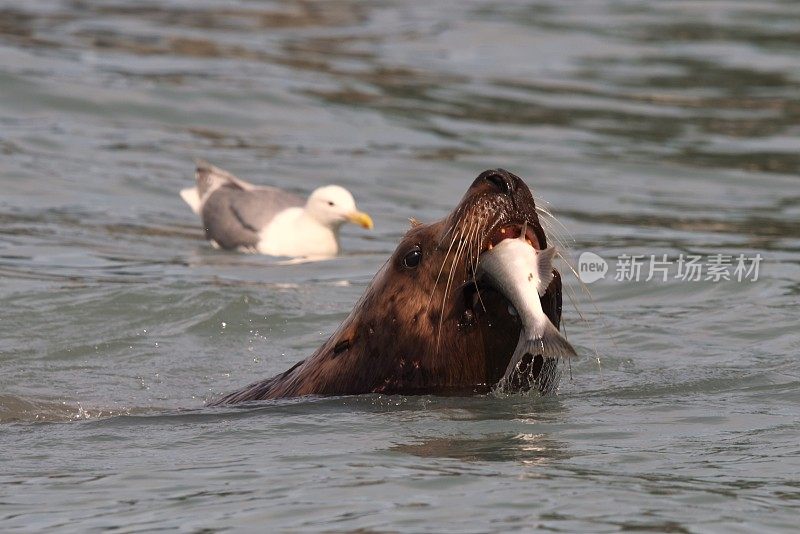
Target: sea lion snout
(499, 198)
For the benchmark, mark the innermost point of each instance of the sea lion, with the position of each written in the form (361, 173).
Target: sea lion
(424, 326)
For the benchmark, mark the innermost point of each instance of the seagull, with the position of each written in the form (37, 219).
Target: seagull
(268, 220)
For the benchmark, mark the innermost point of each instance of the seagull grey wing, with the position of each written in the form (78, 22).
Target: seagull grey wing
(221, 223)
(233, 217)
(209, 178)
(255, 209)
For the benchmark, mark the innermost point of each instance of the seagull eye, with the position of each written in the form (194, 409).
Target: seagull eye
(412, 257)
(330, 203)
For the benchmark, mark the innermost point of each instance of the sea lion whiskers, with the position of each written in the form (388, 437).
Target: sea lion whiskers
(459, 211)
(546, 211)
(553, 233)
(471, 251)
(546, 216)
(573, 299)
(476, 239)
(450, 275)
(562, 239)
(444, 262)
(559, 237)
(475, 251)
(460, 235)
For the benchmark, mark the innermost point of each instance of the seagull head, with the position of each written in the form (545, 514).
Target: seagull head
(333, 205)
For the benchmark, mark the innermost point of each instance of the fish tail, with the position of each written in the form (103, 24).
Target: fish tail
(551, 344)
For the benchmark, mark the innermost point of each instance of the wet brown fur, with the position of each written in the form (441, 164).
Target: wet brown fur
(425, 330)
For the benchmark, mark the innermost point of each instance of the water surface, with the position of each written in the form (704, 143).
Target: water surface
(650, 128)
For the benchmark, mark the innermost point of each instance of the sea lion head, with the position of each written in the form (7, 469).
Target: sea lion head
(425, 325)
(447, 332)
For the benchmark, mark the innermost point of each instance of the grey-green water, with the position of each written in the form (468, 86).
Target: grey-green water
(650, 127)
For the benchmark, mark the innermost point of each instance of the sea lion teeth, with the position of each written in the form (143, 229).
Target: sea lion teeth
(413, 332)
(511, 231)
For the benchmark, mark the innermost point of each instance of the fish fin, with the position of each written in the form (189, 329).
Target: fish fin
(545, 267)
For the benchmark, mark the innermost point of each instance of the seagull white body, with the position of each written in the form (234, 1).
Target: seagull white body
(239, 215)
(522, 274)
(279, 237)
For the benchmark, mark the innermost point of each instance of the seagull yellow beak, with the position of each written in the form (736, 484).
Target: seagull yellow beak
(360, 218)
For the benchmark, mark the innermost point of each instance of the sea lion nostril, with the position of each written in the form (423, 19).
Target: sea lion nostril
(503, 184)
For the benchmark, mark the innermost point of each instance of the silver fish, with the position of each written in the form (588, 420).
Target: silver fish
(522, 274)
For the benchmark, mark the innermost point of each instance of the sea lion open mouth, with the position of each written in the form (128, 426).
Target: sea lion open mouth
(511, 231)
(471, 288)
(424, 325)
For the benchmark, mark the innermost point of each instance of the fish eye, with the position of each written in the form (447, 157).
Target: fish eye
(412, 257)
(330, 203)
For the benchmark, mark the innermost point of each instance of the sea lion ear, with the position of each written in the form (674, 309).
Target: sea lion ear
(414, 222)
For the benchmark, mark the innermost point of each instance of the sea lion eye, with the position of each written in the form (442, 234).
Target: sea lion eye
(412, 257)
